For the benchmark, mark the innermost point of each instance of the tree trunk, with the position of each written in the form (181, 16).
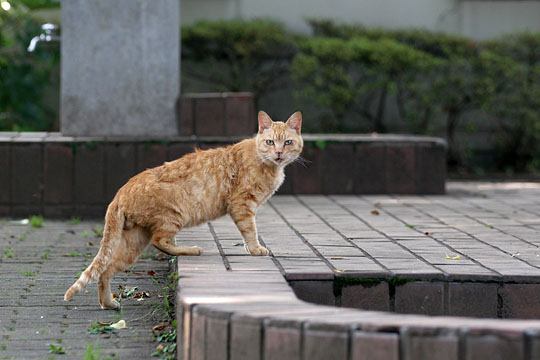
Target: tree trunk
(452, 120)
(378, 123)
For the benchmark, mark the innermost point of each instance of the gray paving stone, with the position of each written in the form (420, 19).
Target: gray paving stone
(473, 237)
(43, 264)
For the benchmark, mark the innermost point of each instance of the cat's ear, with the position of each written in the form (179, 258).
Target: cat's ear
(295, 122)
(265, 122)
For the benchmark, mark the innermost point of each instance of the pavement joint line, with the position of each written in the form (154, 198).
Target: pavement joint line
(491, 245)
(418, 257)
(511, 205)
(493, 226)
(343, 236)
(220, 248)
(315, 251)
(274, 259)
(435, 239)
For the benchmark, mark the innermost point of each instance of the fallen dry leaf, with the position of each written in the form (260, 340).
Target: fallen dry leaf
(141, 295)
(453, 257)
(121, 324)
(160, 327)
(151, 273)
(375, 212)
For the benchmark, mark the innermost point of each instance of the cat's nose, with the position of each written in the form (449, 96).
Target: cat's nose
(279, 153)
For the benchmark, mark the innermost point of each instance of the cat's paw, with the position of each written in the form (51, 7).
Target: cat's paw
(258, 250)
(113, 305)
(196, 250)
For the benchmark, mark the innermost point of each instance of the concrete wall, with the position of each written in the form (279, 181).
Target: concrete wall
(120, 72)
(476, 18)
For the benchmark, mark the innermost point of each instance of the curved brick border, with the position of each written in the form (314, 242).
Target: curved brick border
(255, 315)
(233, 306)
(59, 176)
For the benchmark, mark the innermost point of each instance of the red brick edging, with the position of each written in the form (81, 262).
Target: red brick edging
(58, 176)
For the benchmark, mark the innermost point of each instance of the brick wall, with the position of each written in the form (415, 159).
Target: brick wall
(46, 173)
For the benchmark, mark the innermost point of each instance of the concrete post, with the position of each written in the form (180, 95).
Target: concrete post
(120, 67)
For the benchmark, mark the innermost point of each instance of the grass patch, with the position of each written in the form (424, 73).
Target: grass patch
(98, 327)
(45, 255)
(56, 349)
(98, 231)
(23, 236)
(166, 335)
(8, 252)
(93, 352)
(168, 294)
(36, 221)
(86, 234)
(167, 345)
(28, 273)
(75, 220)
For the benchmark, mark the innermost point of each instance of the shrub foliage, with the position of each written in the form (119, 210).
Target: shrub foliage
(347, 78)
(24, 77)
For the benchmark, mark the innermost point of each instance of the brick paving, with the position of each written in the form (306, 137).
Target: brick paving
(479, 231)
(37, 266)
(472, 254)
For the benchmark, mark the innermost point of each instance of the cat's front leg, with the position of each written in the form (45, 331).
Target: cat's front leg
(244, 218)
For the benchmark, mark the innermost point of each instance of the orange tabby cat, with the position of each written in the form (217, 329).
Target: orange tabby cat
(157, 203)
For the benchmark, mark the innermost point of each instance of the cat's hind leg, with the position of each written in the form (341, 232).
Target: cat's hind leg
(163, 240)
(134, 241)
(106, 300)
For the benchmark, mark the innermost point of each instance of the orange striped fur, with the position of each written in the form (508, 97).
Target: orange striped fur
(201, 186)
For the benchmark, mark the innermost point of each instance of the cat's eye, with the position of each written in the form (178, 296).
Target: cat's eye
(288, 142)
(269, 142)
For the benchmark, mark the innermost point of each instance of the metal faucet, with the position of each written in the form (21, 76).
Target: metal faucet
(48, 35)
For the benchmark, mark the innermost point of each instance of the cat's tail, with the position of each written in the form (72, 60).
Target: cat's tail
(112, 233)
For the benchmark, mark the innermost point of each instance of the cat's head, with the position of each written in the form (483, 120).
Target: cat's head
(279, 142)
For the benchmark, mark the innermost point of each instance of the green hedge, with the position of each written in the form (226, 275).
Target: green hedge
(237, 55)
(498, 78)
(341, 75)
(347, 78)
(517, 110)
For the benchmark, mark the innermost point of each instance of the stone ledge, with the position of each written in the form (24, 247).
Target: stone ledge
(400, 259)
(6, 136)
(60, 176)
(235, 311)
